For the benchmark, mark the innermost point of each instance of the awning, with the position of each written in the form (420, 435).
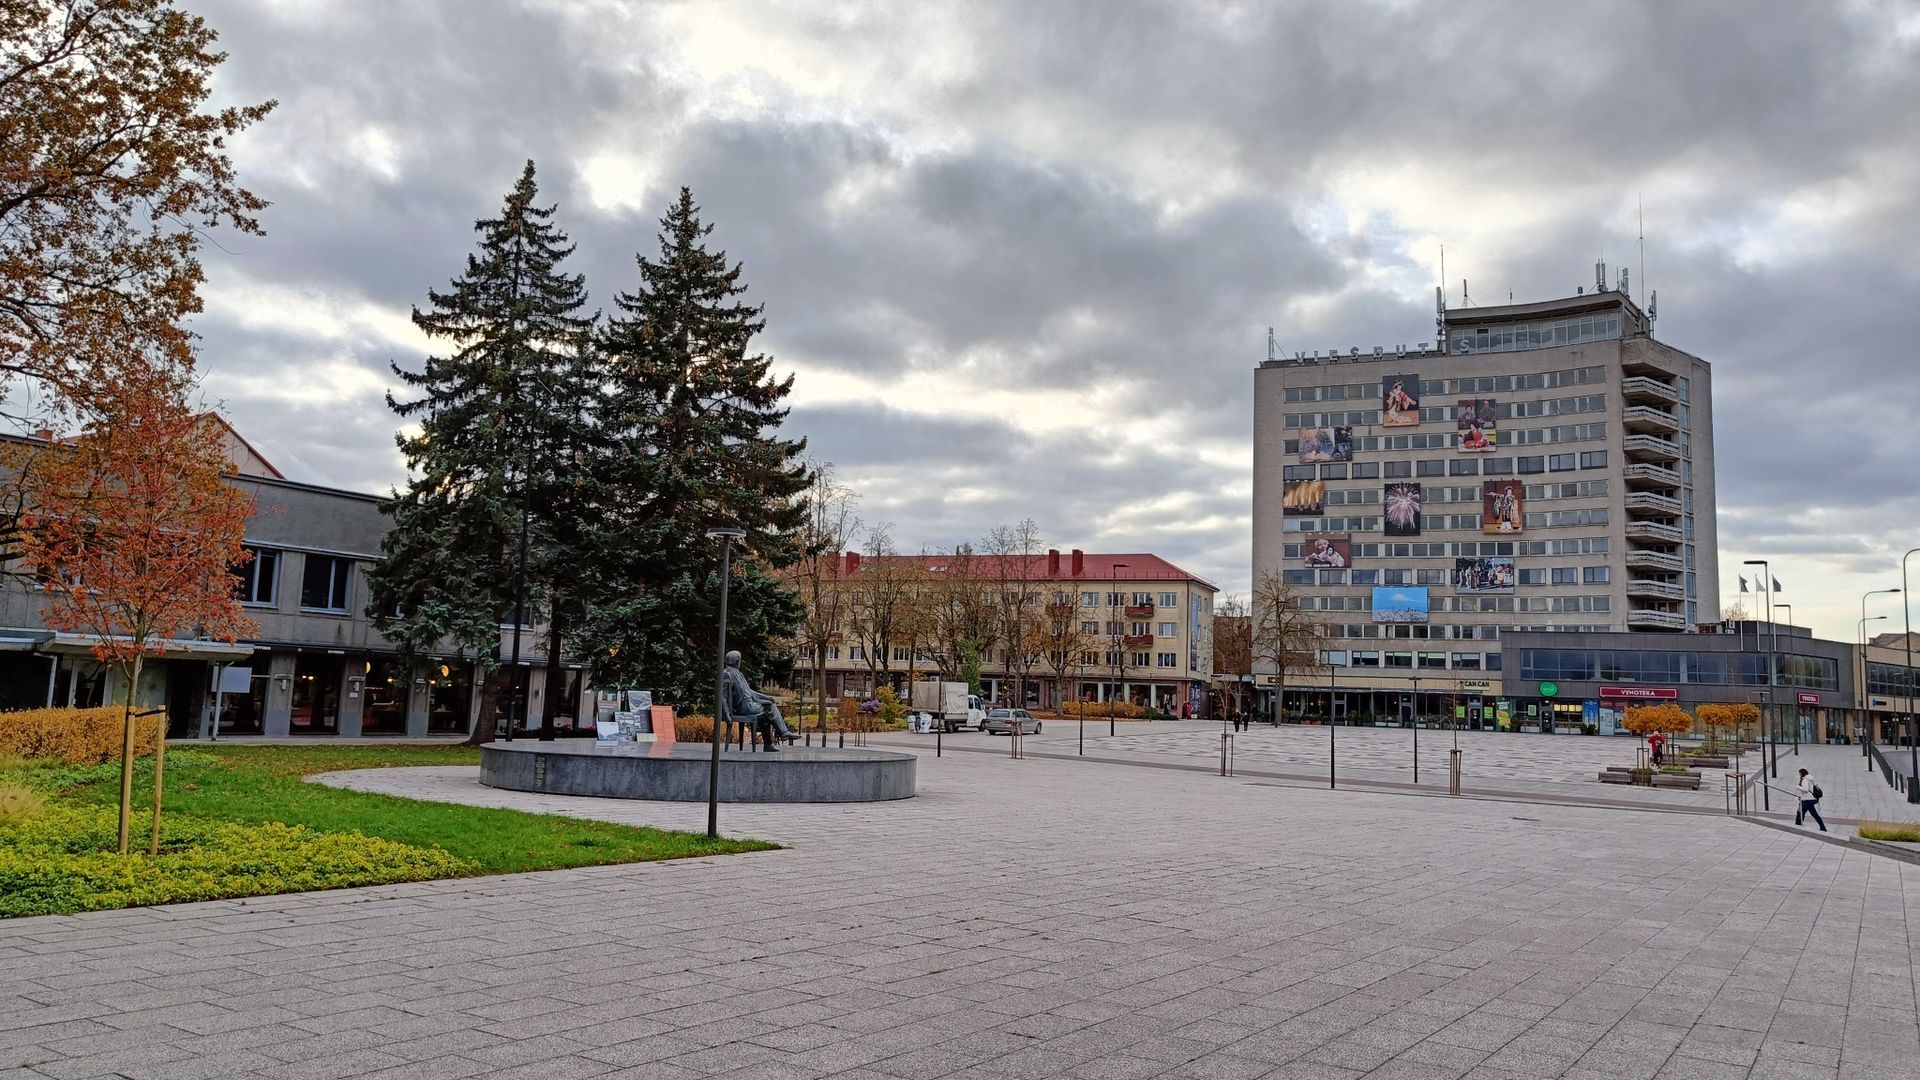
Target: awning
(166, 648)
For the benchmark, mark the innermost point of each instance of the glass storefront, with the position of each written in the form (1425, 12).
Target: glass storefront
(316, 693)
(384, 709)
(449, 696)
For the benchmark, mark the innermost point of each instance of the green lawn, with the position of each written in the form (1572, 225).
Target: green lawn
(225, 809)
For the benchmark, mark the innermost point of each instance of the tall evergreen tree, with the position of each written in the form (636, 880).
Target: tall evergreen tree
(691, 417)
(487, 460)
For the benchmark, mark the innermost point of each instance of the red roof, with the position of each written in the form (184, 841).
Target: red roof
(1093, 567)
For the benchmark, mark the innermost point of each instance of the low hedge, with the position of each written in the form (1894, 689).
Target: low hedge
(75, 736)
(1898, 831)
(62, 860)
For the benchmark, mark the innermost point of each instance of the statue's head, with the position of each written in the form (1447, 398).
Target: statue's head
(733, 658)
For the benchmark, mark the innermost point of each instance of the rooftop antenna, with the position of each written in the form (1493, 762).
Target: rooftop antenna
(1464, 299)
(1653, 305)
(1640, 206)
(1600, 276)
(1272, 346)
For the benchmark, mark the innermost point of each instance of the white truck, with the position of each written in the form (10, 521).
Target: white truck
(949, 704)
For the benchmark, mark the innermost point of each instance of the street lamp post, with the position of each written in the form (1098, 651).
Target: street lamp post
(1913, 789)
(726, 536)
(1119, 611)
(1766, 583)
(1864, 696)
(1415, 718)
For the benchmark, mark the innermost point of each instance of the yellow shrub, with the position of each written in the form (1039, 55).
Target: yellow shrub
(693, 728)
(75, 736)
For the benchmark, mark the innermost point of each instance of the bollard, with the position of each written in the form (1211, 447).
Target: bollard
(1226, 754)
(1453, 771)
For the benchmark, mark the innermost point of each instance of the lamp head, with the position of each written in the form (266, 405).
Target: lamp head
(725, 532)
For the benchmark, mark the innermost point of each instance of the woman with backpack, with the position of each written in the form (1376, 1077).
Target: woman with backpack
(1809, 801)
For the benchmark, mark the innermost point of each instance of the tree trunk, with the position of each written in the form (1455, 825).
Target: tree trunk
(556, 676)
(126, 757)
(820, 688)
(486, 725)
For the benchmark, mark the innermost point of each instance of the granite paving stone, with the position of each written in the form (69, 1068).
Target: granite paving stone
(1110, 918)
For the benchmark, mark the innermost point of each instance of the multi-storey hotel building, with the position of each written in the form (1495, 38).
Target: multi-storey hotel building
(1540, 467)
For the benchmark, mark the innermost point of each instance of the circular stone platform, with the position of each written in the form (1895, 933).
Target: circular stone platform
(677, 772)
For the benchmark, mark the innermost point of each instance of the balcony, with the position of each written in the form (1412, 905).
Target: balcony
(1646, 502)
(1656, 620)
(1647, 530)
(1139, 611)
(1650, 476)
(1137, 639)
(1639, 389)
(1656, 590)
(1656, 560)
(1650, 448)
(1647, 418)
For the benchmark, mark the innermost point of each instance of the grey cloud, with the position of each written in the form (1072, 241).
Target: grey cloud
(1013, 226)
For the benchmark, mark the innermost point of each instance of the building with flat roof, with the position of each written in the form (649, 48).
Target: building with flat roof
(1537, 468)
(317, 666)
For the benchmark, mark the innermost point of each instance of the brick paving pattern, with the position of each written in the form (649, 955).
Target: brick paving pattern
(1036, 918)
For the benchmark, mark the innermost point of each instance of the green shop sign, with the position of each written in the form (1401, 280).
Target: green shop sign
(1548, 689)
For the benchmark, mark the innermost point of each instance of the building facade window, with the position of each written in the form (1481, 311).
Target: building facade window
(325, 583)
(259, 576)
(1170, 600)
(1167, 660)
(1167, 629)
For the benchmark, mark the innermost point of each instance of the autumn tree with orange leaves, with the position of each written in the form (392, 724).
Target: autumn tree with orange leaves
(133, 530)
(112, 173)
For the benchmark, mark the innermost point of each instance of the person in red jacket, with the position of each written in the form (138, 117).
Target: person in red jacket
(1658, 744)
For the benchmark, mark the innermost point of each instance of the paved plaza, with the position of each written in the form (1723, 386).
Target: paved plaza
(1034, 918)
(1543, 767)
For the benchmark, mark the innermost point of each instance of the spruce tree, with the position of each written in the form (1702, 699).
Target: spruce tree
(487, 460)
(691, 416)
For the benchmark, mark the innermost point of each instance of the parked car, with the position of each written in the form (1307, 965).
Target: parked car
(1001, 722)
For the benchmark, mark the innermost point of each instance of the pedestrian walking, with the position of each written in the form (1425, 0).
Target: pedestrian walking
(1809, 801)
(1658, 744)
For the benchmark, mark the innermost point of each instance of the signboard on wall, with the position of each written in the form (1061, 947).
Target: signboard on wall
(1641, 693)
(1805, 698)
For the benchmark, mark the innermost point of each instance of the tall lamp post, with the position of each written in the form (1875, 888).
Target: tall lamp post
(1864, 696)
(1766, 581)
(726, 536)
(1119, 611)
(1906, 614)
(1415, 718)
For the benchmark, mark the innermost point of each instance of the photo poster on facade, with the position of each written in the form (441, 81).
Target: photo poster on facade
(1483, 575)
(1475, 419)
(1304, 498)
(1400, 508)
(1503, 715)
(1329, 552)
(1399, 604)
(1325, 444)
(1399, 400)
(1503, 507)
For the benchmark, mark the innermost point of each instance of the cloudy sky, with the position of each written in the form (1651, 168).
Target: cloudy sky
(1023, 256)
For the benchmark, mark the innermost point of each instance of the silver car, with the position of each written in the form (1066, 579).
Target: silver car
(1002, 721)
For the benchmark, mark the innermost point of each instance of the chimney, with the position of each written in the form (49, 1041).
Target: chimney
(44, 434)
(1079, 562)
(1053, 562)
(853, 561)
